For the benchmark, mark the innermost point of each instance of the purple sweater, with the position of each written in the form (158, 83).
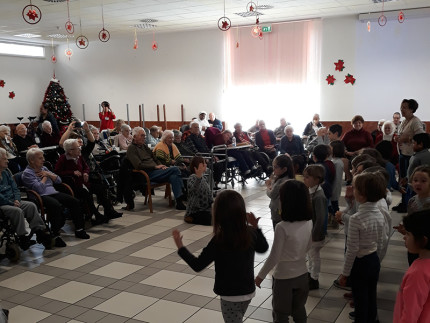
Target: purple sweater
(33, 182)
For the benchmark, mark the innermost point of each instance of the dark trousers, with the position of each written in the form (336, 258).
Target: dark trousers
(55, 204)
(364, 278)
(202, 217)
(403, 169)
(245, 163)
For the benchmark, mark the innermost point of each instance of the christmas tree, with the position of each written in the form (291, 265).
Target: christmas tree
(61, 107)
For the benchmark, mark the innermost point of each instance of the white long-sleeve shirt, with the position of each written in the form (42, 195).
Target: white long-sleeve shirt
(288, 255)
(366, 234)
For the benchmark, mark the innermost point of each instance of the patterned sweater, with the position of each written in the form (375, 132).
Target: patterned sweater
(199, 195)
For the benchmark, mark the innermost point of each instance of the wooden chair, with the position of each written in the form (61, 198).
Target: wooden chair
(151, 185)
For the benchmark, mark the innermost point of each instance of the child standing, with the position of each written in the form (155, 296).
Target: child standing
(366, 240)
(282, 171)
(413, 298)
(313, 178)
(236, 239)
(288, 255)
(420, 181)
(199, 194)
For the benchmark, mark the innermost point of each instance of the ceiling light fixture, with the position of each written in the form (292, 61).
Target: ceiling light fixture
(28, 35)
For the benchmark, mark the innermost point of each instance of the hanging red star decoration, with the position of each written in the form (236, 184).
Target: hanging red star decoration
(32, 14)
(69, 27)
(330, 79)
(53, 59)
(11, 95)
(349, 79)
(401, 17)
(104, 35)
(154, 45)
(82, 42)
(225, 24)
(251, 8)
(339, 65)
(2, 83)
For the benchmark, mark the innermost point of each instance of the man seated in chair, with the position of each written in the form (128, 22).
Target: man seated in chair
(18, 211)
(141, 157)
(21, 140)
(38, 178)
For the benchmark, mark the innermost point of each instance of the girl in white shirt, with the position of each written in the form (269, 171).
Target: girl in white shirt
(293, 238)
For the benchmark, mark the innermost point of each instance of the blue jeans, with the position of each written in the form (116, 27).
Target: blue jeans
(172, 175)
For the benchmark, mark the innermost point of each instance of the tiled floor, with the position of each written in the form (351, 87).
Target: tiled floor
(129, 271)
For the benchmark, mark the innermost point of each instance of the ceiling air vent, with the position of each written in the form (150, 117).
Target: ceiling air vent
(148, 20)
(249, 13)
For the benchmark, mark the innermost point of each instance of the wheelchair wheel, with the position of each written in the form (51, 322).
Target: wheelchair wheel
(13, 252)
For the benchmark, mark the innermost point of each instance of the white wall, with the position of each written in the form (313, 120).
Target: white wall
(28, 78)
(390, 63)
(186, 69)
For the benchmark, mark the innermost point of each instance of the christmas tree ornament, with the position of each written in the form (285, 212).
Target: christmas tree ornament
(69, 26)
(349, 79)
(11, 95)
(251, 6)
(53, 57)
(2, 83)
(104, 35)
(82, 42)
(154, 43)
(31, 14)
(68, 51)
(224, 22)
(339, 65)
(136, 45)
(401, 17)
(256, 30)
(368, 26)
(382, 20)
(330, 79)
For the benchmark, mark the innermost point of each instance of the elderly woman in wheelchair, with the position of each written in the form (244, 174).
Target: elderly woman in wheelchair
(18, 210)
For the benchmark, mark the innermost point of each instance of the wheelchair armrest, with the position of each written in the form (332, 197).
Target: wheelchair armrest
(64, 188)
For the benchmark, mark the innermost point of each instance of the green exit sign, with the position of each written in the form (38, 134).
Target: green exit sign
(266, 29)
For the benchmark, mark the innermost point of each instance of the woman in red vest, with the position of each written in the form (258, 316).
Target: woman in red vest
(106, 117)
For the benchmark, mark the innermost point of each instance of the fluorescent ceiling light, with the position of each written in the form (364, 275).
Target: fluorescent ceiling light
(28, 36)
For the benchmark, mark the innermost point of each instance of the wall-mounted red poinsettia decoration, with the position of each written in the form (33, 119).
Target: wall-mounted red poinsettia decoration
(330, 79)
(11, 95)
(2, 83)
(349, 79)
(339, 65)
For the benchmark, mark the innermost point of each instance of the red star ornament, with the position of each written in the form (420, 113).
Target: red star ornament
(32, 14)
(104, 35)
(251, 8)
(330, 79)
(339, 65)
(225, 24)
(11, 95)
(82, 42)
(349, 79)
(2, 83)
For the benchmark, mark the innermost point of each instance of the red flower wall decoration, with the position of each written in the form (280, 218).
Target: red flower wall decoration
(349, 79)
(11, 95)
(339, 65)
(330, 79)
(2, 83)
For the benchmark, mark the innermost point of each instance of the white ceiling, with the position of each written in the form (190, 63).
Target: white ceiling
(172, 15)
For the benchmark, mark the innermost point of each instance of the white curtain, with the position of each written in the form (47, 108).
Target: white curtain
(275, 77)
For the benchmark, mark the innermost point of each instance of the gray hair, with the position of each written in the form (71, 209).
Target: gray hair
(4, 128)
(33, 152)
(196, 122)
(125, 127)
(46, 123)
(165, 134)
(93, 127)
(3, 152)
(154, 128)
(136, 130)
(68, 144)
(177, 133)
(288, 127)
(391, 124)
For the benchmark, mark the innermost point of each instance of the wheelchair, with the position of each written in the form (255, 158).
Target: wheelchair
(9, 239)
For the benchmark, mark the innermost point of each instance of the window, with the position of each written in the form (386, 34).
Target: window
(275, 77)
(22, 50)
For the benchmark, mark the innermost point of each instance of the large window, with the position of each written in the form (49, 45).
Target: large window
(21, 50)
(275, 77)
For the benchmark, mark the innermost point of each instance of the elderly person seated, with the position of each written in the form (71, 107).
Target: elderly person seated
(166, 151)
(378, 131)
(197, 144)
(100, 147)
(388, 134)
(87, 145)
(117, 130)
(21, 140)
(214, 122)
(182, 147)
(16, 163)
(312, 127)
(357, 138)
(279, 132)
(291, 144)
(322, 138)
(265, 140)
(46, 115)
(152, 139)
(246, 165)
(38, 178)
(141, 157)
(48, 137)
(18, 211)
(124, 139)
(203, 122)
(75, 171)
